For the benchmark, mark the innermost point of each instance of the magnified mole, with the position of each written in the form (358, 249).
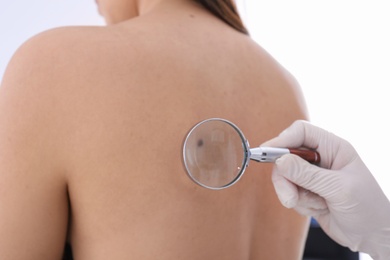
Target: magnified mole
(200, 142)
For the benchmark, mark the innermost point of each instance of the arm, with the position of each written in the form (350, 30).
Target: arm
(33, 194)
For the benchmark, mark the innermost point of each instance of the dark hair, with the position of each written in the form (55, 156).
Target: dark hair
(227, 11)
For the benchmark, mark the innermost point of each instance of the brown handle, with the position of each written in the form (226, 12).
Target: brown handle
(308, 155)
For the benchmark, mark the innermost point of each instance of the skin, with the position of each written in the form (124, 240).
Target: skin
(92, 123)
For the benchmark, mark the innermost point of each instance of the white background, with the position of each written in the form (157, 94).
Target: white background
(339, 50)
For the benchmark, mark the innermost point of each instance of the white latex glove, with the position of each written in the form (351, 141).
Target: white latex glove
(341, 194)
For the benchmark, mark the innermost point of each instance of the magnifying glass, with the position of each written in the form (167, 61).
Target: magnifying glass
(216, 153)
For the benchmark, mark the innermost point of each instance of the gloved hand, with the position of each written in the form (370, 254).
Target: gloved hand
(340, 193)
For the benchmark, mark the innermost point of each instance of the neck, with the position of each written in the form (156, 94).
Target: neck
(146, 6)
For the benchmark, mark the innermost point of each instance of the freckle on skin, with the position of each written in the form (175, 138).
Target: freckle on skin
(200, 142)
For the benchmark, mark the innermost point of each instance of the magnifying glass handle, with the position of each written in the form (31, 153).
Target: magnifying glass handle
(270, 154)
(308, 155)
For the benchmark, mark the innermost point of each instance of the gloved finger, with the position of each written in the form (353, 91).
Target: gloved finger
(300, 134)
(286, 191)
(311, 212)
(310, 200)
(306, 175)
(292, 196)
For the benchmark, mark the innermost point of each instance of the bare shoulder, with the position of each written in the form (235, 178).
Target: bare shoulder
(34, 198)
(55, 64)
(55, 50)
(38, 71)
(272, 76)
(39, 83)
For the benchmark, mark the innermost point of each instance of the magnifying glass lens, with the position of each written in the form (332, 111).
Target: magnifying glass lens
(214, 154)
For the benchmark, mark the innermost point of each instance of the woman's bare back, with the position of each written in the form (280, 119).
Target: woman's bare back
(124, 98)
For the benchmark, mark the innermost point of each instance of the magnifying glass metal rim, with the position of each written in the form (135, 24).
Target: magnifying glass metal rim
(245, 161)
